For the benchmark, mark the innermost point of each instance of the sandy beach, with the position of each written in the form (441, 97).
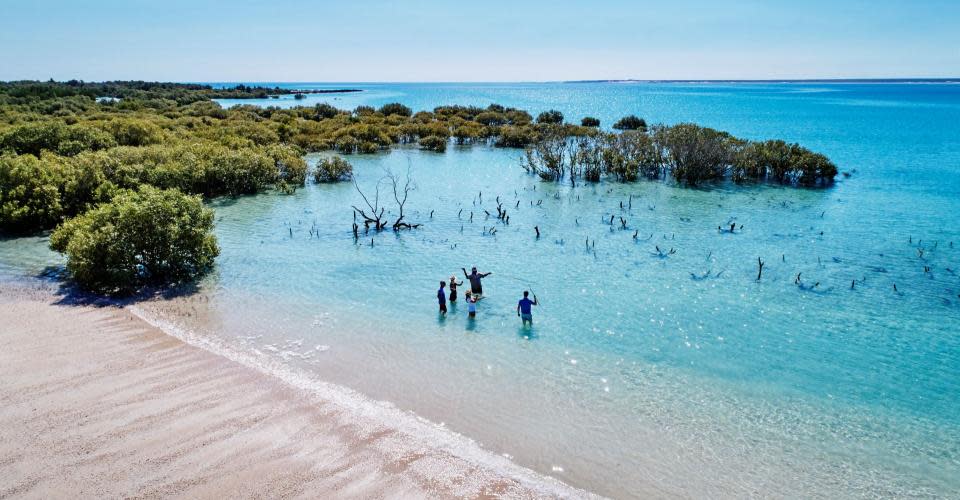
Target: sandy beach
(96, 402)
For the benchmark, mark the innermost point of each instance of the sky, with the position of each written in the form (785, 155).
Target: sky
(492, 40)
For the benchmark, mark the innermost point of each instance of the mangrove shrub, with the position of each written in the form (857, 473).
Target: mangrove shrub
(589, 121)
(150, 237)
(332, 169)
(630, 122)
(395, 108)
(433, 143)
(551, 117)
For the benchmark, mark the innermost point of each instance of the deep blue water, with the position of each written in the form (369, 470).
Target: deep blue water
(639, 376)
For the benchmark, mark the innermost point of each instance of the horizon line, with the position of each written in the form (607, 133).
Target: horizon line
(610, 80)
(601, 80)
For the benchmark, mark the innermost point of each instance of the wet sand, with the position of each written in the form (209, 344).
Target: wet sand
(95, 402)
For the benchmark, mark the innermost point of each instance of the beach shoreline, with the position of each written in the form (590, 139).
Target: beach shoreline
(98, 402)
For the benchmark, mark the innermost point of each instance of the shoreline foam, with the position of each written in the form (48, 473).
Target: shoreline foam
(108, 401)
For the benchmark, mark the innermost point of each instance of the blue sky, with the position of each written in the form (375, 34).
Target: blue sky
(494, 40)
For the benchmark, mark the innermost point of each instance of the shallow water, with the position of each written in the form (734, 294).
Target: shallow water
(644, 374)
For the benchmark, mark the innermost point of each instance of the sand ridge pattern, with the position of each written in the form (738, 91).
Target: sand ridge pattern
(95, 402)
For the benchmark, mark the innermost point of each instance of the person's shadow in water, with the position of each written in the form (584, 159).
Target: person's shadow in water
(527, 332)
(451, 311)
(471, 325)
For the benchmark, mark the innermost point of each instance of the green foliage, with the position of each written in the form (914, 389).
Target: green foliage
(589, 121)
(148, 237)
(518, 117)
(492, 118)
(586, 158)
(785, 163)
(34, 138)
(696, 154)
(132, 132)
(547, 156)
(395, 108)
(514, 137)
(467, 133)
(324, 110)
(29, 194)
(37, 193)
(630, 122)
(332, 169)
(208, 169)
(178, 93)
(552, 117)
(433, 143)
(629, 155)
(289, 166)
(64, 152)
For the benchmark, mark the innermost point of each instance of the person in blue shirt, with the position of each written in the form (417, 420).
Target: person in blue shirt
(471, 305)
(442, 298)
(525, 308)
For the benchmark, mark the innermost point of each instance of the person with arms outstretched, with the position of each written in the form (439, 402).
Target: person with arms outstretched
(476, 286)
(525, 308)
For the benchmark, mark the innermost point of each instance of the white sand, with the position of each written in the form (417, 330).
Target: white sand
(94, 402)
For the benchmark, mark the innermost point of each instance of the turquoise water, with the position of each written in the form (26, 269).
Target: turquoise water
(644, 374)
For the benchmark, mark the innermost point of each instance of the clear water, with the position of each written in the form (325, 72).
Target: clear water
(639, 376)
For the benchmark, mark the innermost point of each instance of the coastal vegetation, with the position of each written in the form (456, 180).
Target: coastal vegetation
(589, 121)
(140, 238)
(332, 169)
(688, 153)
(630, 122)
(75, 155)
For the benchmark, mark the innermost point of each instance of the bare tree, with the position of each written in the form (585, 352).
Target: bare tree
(401, 199)
(374, 214)
(376, 211)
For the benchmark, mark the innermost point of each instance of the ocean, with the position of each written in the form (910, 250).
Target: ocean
(657, 364)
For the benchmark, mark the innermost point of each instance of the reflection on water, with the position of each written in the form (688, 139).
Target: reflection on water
(646, 371)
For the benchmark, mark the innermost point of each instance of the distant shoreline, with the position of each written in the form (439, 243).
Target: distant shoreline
(324, 91)
(625, 80)
(811, 80)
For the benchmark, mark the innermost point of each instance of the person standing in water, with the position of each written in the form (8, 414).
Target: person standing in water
(471, 305)
(475, 284)
(453, 288)
(442, 298)
(525, 308)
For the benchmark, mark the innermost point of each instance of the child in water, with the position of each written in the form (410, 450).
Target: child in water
(471, 305)
(453, 288)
